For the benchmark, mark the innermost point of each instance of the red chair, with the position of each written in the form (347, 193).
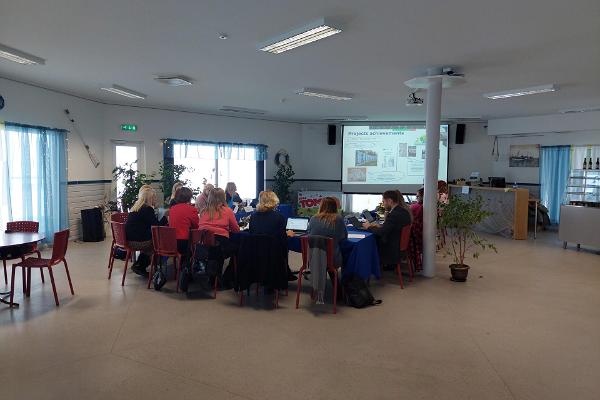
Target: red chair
(304, 241)
(116, 217)
(119, 242)
(59, 250)
(204, 237)
(404, 250)
(164, 241)
(23, 226)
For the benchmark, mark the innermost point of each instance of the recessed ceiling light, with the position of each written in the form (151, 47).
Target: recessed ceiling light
(325, 94)
(19, 56)
(174, 80)
(312, 32)
(346, 118)
(242, 110)
(521, 92)
(120, 90)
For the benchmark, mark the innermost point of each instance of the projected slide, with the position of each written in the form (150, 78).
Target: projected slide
(378, 158)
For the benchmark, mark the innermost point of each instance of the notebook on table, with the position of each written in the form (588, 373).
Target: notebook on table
(297, 225)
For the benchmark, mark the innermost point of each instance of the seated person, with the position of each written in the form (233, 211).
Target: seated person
(183, 216)
(231, 196)
(138, 228)
(203, 198)
(176, 186)
(327, 222)
(267, 221)
(220, 220)
(416, 232)
(388, 234)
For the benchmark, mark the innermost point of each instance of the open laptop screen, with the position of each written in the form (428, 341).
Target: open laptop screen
(297, 224)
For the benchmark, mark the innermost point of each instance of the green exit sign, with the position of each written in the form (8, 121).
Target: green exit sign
(129, 127)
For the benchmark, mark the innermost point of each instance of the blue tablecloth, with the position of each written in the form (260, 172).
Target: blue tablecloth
(360, 255)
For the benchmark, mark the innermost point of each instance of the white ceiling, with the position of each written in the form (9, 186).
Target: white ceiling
(499, 45)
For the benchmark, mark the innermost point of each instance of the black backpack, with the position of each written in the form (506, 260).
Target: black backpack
(357, 293)
(204, 265)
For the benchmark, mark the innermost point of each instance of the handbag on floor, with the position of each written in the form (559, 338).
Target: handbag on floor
(357, 293)
(160, 278)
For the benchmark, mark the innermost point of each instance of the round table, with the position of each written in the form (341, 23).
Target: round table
(17, 239)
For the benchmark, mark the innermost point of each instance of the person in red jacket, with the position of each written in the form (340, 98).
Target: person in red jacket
(183, 216)
(218, 218)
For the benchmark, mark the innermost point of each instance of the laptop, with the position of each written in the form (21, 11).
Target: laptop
(297, 225)
(356, 223)
(368, 216)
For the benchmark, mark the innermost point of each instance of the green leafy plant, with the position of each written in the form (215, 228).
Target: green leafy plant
(459, 216)
(171, 173)
(283, 180)
(132, 181)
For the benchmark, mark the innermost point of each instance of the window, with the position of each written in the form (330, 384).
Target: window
(125, 153)
(219, 163)
(33, 176)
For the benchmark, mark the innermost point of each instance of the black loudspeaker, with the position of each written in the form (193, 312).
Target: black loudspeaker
(92, 226)
(331, 134)
(460, 134)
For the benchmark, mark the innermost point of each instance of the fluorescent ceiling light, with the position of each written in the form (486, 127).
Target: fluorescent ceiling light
(324, 94)
(317, 30)
(174, 80)
(521, 92)
(19, 56)
(120, 90)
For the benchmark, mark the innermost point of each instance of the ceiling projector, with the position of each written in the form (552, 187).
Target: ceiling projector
(413, 100)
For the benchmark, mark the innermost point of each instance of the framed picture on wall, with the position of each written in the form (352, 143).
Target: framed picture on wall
(524, 155)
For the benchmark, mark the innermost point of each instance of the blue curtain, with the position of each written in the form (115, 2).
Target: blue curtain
(555, 166)
(34, 176)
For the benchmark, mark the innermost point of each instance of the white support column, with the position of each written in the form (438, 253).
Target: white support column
(432, 161)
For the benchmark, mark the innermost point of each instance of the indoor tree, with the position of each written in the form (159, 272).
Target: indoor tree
(283, 180)
(459, 217)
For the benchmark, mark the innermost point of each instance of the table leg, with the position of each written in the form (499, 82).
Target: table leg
(535, 222)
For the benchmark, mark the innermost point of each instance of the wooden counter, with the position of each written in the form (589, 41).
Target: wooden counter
(509, 207)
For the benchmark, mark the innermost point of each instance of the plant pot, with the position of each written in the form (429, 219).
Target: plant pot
(459, 272)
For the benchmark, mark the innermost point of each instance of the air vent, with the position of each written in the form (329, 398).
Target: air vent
(346, 118)
(241, 110)
(579, 110)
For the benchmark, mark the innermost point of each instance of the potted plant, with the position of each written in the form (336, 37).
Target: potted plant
(459, 216)
(283, 179)
(171, 173)
(132, 181)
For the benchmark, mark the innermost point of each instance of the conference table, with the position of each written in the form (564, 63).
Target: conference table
(17, 239)
(359, 252)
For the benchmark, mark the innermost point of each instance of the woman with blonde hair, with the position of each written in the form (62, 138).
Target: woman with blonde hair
(202, 200)
(220, 220)
(138, 228)
(231, 195)
(268, 221)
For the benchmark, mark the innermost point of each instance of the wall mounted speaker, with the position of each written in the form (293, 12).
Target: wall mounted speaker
(331, 134)
(460, 134)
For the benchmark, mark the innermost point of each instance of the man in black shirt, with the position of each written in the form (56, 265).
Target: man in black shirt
(388, 233)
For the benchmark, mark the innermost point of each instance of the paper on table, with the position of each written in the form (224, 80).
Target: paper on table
(356, 236)
(465, 190)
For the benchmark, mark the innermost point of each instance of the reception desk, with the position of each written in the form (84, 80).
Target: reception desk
(509, 207)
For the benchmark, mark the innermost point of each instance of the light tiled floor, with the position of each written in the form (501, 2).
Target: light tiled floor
(525, 326)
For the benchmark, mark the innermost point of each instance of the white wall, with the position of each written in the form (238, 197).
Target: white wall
(473, 155)
(154, 125)
(35, 106)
